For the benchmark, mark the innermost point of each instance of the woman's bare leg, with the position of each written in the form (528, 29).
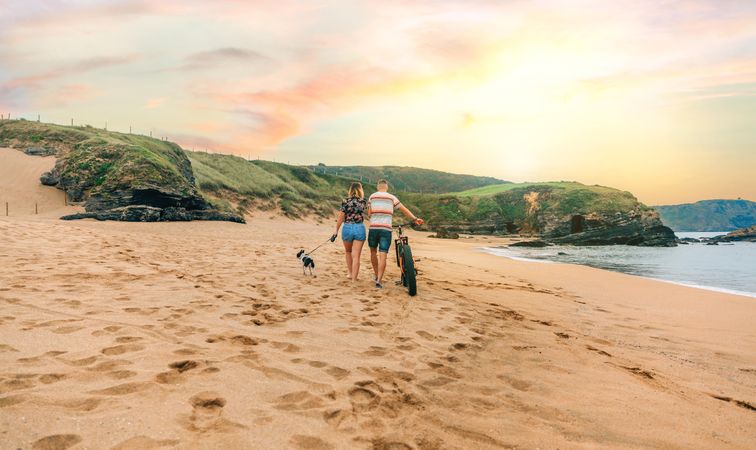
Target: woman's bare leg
(356, 252)
(348, 256)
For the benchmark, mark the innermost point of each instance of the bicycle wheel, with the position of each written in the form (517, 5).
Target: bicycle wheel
(409, 277)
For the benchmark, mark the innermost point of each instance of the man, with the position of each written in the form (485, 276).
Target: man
(381, 206)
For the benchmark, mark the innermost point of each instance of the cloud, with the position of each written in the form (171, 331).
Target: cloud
(154, 103)
(68, 69)
(70, 94)
(220, 57)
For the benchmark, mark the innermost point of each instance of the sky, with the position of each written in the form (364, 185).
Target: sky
(654, 97)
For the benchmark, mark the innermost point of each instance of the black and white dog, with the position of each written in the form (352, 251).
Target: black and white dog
(307, 263)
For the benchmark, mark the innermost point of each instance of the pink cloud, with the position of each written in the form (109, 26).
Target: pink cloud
(221, 57)
(70, 94)
(154, 103)
(73, 68)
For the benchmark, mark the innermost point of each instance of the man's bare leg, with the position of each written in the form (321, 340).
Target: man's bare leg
(374, 261)
(381, 266)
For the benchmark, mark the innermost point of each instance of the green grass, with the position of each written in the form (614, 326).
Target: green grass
(296, 191)
(408, 179)
(100, 162)
(497, 188)
(103, 162)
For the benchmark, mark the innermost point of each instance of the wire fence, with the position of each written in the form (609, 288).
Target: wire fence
(79, 124)
(319, 169)
(12, 208)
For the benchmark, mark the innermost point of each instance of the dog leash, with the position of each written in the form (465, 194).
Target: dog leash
(324, 243)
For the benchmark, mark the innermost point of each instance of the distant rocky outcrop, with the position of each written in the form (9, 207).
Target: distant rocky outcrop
(709, 215)
(747, 234)
(116, 176)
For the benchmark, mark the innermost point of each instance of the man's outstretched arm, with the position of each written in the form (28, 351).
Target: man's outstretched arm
(408, 213)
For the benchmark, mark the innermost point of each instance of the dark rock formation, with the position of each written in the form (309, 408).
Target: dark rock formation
(536, 243)
(443, 233)
(747, 234)
(144, 213)
(638, 227)
(39, 151)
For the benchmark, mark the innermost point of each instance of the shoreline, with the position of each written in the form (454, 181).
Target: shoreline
(497, 252)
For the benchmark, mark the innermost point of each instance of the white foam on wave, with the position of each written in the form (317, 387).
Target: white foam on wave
(509, 254)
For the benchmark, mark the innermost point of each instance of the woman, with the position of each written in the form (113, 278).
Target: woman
(352, 215)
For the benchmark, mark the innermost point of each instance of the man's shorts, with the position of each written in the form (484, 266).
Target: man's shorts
(353, 232)
(379, 238)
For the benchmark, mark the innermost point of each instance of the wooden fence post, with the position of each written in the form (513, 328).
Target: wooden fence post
(36, 210)
(6, 208)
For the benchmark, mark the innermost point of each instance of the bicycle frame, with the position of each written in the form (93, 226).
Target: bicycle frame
(398, 243)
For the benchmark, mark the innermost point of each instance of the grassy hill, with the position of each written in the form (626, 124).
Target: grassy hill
(523, 203)
(709, 215)
(296, 191)
(110, 171)
(409, 179)
(132, 177)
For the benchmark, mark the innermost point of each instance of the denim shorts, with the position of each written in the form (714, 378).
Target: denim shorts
(379, 238)
(353, 232)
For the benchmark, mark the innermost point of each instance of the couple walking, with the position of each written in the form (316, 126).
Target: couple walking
(380, 211)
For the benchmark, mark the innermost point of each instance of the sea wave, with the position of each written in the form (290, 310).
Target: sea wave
(544, 259)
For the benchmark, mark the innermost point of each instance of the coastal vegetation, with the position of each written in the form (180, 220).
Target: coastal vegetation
(410, 179)
(132, 177)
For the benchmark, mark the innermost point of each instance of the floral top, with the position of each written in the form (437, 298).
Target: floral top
(354, 209)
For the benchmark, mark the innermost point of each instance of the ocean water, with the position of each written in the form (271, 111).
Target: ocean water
(724, 267)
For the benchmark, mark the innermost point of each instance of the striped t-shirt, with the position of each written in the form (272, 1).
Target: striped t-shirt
(382, 206)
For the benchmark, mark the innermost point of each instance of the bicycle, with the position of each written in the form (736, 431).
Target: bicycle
(405, 261)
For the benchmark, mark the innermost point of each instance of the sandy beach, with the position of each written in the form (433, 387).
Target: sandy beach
(207, 335)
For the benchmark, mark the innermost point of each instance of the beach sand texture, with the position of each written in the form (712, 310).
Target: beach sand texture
(207, 335)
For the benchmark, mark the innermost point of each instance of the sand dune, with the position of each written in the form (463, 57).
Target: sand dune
(206, 335)
(21, 189)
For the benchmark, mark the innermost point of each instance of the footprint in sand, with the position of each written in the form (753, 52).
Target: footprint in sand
(207, 411)
(56, 442)
(13, 400)
(309, 443)
(144, 442)
(363, 399)
(175, 376)
(123, 389)
(121, 349)
(298, 401)
(426, 335)
(337, 372)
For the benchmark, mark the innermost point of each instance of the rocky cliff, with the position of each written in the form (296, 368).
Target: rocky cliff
(115, 176)
(562, 212)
